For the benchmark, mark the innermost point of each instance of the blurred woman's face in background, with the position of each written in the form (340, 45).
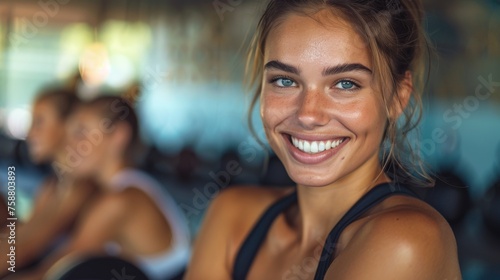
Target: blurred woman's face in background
(321, 113)
(46, 134)
(88, 141)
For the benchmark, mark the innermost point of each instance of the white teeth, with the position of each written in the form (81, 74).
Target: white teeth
(307, 146)
(321, 146)
(314, 147)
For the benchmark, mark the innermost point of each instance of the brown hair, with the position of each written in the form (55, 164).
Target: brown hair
(393, 33)
(117, 109)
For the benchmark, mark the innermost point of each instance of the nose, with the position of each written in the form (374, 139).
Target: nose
(312, 111)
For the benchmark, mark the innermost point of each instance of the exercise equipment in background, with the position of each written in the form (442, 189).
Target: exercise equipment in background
(450, 196)
(490, 204)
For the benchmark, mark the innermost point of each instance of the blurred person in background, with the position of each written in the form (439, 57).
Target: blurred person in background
(338, 83)
(58, 202)
(46, 135)
(133, 218)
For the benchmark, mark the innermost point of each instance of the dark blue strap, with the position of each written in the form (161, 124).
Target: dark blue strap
(370, 199)
(251, 245)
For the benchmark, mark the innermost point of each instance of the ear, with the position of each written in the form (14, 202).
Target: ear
(402, 97)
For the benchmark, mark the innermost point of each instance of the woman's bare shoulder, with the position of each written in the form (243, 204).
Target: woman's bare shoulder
(229, 218)
(413, 211)
(408, 237)
(407, 219)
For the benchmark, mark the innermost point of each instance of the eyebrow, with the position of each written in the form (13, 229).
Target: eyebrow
(346, 68)
(342, 68)
(277, 65)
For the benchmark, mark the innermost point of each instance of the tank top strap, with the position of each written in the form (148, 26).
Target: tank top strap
(370, 199)
(256, 236)
(251, 245)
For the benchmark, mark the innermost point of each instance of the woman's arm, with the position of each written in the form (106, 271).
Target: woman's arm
(51, 216)
(228, 220)
(101, 224)
(37, 223)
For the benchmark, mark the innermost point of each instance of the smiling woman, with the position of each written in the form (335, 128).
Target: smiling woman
(337, 82)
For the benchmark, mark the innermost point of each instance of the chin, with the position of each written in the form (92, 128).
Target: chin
(314, 182)
(81, 172)
(39, 159)
(312, 178)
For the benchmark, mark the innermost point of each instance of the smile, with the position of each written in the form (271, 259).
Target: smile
(314, 147)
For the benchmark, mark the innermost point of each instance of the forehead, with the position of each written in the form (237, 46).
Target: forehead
(84, 115)
(45, 107)
(323, 39)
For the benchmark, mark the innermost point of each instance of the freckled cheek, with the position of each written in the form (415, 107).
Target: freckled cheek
(274, 110)
(362, 119)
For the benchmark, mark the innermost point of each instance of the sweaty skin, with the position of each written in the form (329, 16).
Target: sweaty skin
(318, 86)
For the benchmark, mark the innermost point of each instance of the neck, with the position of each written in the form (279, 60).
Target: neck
(108, 171)
(326, 205)
(59, 167)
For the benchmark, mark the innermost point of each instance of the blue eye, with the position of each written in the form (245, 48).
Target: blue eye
(284, 82)
(346, 85)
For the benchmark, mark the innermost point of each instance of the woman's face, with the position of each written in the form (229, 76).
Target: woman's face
(46, 133)
(88, 143)
(321, 112)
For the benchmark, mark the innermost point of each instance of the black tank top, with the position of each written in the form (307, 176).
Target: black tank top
(252, 243)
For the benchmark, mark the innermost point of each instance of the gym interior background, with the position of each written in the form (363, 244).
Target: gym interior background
(186, 59)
